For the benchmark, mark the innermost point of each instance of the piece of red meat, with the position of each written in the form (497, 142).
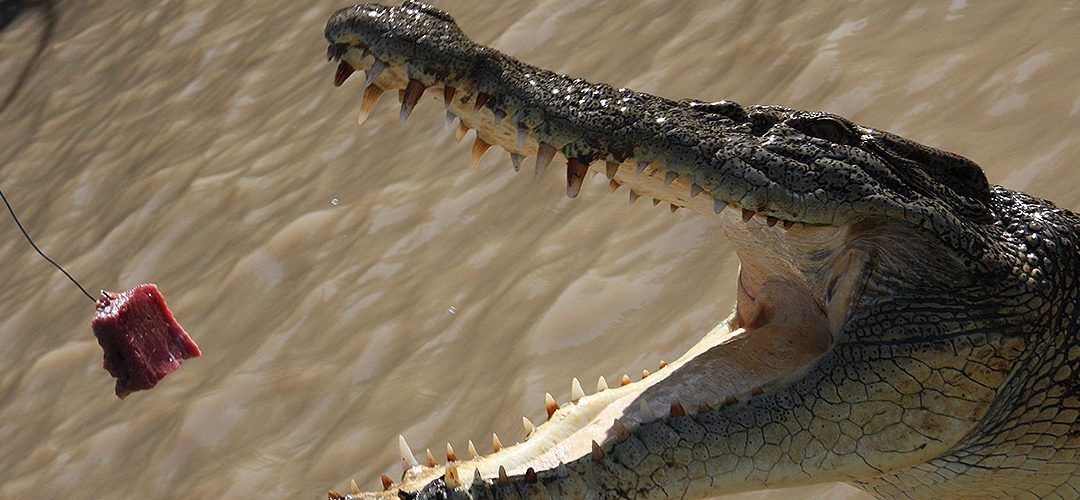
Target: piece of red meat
(141, 338)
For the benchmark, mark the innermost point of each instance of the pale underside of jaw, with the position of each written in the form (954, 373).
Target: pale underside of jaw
(726, 367)
(759, 347)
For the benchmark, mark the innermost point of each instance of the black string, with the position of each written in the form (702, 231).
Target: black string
(46, 257)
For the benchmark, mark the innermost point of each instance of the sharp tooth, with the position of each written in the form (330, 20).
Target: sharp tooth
(400, 96)
(413, 92)
(331, 51)
(601, 384)
(597, 452)
(788, 224)
(575, 175)
(530, 476)
(450, 455)
(718, 206)
(730, 400)
(371, 95)
(496, 444)
(645, 374)
(695, 189)
(771, 221)
(747, 215)
(353, 488)
(655, 202)
(634, 196)
(576, 392)
(529, 427)
(669, 178)
(503, 478)
(612, 169)
(550, 405)
(499, 115)
(613, 185)
(625, 380)
(387, 483)
(662, 364)
(451, 477)
(472, 451)
(374, 72)
(674, 207)
(677, 409)
(431, 459)
(621, 432)
(344, 71)
(448, 95)
(462, 129)
(449, 119)
(408, 461)
(757, 391)
(515, 160)
(476, 478)
(481, 98)
(523, 133)
(641, 167)
(479, 147)
(544, 155)
(704, 407)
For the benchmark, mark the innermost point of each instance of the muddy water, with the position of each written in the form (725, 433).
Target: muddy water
(351, 283)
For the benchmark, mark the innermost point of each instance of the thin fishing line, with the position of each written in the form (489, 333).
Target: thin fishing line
(46, 257)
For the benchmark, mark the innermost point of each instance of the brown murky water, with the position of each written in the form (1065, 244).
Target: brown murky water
(200, 145)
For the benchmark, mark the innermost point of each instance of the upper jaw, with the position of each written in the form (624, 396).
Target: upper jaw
(720, 154)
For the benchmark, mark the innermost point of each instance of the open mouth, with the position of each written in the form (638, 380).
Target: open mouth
(796, 283)
(887, 296)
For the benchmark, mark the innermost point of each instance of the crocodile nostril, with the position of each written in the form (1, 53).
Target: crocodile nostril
(427, 9)
(335, 50)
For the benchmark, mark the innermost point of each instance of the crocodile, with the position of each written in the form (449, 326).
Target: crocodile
(901, 324)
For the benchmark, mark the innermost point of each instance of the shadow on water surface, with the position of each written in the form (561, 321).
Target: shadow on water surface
(10, 10)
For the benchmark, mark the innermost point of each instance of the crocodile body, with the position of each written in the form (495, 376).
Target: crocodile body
(901, 325)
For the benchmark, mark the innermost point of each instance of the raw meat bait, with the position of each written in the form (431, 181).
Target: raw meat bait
(142, 340)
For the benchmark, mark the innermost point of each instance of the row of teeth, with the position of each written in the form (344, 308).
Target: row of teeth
(451, 476)
(575, 169)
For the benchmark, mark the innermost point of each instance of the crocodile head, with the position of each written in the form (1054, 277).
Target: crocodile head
(879, 315)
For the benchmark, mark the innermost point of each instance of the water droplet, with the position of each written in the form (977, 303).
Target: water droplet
(452, 310)
(335, 202)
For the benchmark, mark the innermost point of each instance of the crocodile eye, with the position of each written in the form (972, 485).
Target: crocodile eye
(826, 128)
(830, 130)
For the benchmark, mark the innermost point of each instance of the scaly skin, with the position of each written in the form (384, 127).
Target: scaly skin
(909, 328)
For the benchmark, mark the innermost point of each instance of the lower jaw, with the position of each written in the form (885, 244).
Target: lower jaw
(727, 366)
